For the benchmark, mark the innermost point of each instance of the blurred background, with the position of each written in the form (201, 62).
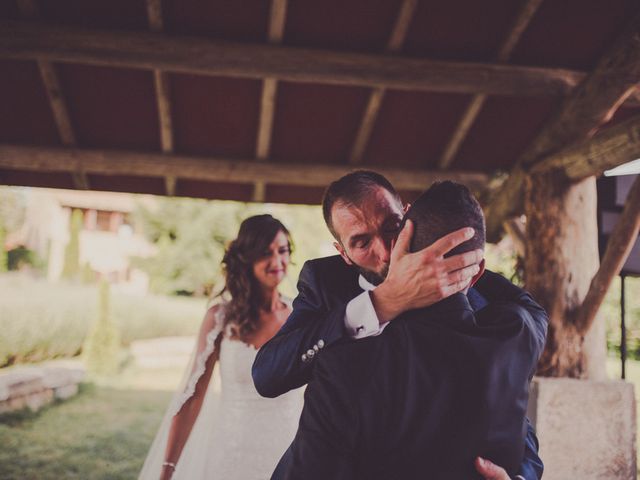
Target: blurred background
(113, 287)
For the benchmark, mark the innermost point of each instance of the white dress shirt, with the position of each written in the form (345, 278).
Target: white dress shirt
(360, 317)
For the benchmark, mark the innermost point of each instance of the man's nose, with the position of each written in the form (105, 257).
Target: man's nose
(383, 249)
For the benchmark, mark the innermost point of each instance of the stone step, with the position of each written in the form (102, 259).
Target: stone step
(33, 387)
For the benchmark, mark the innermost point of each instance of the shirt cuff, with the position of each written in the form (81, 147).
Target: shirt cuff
(360, 318)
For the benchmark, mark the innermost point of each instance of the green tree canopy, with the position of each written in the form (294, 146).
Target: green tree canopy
(190, 236)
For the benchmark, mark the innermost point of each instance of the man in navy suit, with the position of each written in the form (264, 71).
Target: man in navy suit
(359, 291)
(437, 387)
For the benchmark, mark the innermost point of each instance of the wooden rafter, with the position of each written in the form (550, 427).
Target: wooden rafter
(163, 96)
(207, 57)
(277, 20)
(118, 162)
(591, 105)
(154, 14)
(29, 9)
(527, 12)
(270, 84)
(396, 40)
(620, 243)
(608, 149)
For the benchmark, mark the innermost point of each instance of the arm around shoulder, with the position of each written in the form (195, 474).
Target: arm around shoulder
(285, 361)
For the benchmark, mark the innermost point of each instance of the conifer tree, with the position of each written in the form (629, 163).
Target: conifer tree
(71, 267)
(102, 347)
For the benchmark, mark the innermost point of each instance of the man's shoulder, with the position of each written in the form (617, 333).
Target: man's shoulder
(329, 272)
(329, 265)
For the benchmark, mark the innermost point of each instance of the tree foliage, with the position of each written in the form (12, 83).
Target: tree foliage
(102, 348)
(190, 237)
(71, 268)
(4, 259)
(13, 203)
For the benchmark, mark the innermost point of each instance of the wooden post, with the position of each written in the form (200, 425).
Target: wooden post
(561, 259)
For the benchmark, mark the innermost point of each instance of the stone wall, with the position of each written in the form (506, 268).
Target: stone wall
(34, 387)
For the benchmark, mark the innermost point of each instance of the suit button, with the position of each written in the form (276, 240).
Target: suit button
(311, 353)
(320, 343)
(316, 348)
(304, 357)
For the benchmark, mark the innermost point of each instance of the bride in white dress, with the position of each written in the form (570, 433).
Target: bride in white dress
(230, 432)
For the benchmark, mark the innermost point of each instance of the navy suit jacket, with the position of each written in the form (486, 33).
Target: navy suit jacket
(438, 387)
(325, 287)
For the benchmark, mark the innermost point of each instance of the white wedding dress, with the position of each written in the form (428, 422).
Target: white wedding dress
(238, 434)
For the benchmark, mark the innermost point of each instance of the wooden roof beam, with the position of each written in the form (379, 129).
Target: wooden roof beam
(396, 40)
(117, 162)
(592, 104)
(208, 57)
(277, 21)
(29, 9)
(608, 149)
(526, 13)
(163, 96)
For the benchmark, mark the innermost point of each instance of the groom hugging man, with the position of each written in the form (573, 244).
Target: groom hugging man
(439, 386)
(371, 290)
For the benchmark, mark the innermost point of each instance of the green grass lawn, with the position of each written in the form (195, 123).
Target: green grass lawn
(102, 433)
(105, 431)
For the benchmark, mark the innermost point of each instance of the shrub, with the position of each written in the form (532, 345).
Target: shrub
(102, 347)
(41, 320)
(4, 261)
(20, 257)
(71, 268)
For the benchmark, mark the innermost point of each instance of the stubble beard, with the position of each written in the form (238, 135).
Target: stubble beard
(374, 278)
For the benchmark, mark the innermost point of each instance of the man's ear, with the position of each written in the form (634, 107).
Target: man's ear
(342, 253)
(477, 276)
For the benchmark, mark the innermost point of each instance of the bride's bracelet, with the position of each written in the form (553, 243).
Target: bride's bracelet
(169, 464)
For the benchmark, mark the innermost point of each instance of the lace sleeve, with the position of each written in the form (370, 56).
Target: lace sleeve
(199, 362)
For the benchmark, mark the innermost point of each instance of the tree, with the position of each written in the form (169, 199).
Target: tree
(12, 209)
(102, 347)
(190, 237)
(4, 259)
(71, 268)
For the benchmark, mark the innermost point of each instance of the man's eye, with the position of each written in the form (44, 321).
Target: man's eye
(362, 243)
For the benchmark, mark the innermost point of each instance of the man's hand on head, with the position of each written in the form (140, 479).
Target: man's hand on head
(425, 277)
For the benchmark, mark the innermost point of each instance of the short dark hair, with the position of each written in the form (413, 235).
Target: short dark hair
(444, 208)
(351, 189)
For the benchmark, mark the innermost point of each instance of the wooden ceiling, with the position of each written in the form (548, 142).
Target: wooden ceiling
(269, 101)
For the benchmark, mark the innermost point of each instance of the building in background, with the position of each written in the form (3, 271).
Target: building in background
(108, 240)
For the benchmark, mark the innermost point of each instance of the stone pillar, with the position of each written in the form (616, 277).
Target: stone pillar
(587, 429)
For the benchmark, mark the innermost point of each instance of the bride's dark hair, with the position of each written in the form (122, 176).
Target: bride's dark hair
(241, 288)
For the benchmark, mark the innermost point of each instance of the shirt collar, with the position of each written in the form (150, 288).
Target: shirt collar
(365, 284)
